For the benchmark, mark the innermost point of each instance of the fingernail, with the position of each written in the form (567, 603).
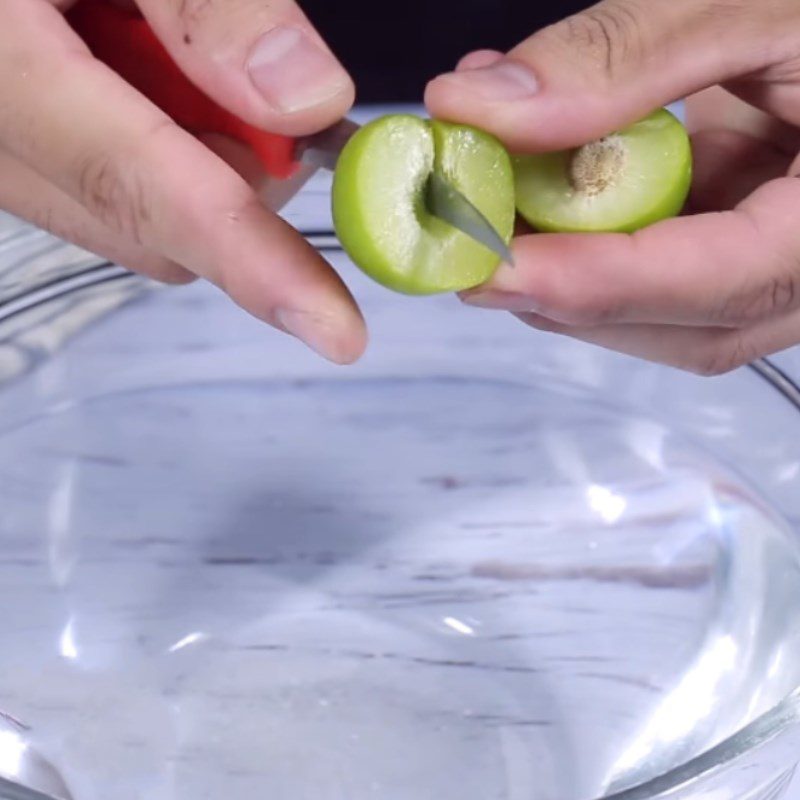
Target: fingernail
(321, 334)
(504, 80)
(293, 72)
(505, 301)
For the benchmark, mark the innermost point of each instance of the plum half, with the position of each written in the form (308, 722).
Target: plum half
(619, 183)
(379, 202)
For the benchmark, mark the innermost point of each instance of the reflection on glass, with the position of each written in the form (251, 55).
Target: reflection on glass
(608, 504)
(12, 748)
(189, 639)
(458, 626)
(66, 643)
(60, 530)
(692, 699)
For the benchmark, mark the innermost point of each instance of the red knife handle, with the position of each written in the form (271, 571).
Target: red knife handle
(125, 42)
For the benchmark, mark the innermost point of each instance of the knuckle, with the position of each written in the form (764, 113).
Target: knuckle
(774, 297)
(722, 11)
(772, 290)
(192, 12)
(589, 309)
(115, 187)
(721, 16)
(733, 352)
(781, 294)
(217, 22)
(583, 303)
(113, 195)
(611, 34)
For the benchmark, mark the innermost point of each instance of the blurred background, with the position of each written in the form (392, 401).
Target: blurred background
(393, 47)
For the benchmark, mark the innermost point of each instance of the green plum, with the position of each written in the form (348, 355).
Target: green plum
(379, 207)
(620, 183)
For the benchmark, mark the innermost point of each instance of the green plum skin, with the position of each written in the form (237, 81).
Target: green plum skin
(379, 208)
(656, 183)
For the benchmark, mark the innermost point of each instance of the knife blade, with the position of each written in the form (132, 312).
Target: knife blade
(447, 203)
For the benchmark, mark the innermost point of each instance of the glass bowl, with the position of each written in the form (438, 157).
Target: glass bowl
(484, 563)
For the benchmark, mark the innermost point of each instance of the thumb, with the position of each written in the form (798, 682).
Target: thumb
(260, 59)
(606, 67)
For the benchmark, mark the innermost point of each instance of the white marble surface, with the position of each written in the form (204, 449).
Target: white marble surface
(484, 563)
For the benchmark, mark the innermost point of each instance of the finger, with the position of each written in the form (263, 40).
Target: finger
(83, 128)
(260, 59)
(724, 269)
(25, 194)
(608, 66)
(479, 59)
(775, 91)
(716, 109)
(238, 156)
(729, 166)
(705, 351)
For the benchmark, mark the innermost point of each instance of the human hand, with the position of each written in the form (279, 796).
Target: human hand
(83, 155)
(708, 291)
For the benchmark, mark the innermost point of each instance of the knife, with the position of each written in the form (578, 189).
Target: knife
(126, 43)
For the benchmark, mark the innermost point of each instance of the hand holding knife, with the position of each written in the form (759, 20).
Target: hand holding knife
(124, 41)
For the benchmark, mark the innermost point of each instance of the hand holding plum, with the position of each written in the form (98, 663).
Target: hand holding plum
(707, 291)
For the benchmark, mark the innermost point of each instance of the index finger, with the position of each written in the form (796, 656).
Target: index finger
(726, 269)
(79, 125)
